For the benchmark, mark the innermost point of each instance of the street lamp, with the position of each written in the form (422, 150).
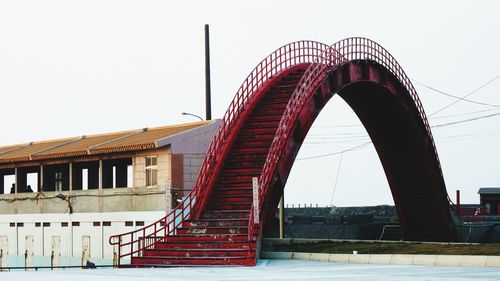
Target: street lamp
(194, 115)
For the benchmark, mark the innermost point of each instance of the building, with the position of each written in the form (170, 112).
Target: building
(66, 197)
(490, 199)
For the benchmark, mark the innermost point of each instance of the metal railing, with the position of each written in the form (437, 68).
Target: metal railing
(349, 49)
(135, 242)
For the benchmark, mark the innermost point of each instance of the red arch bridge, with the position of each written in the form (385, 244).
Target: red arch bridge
(260, 136)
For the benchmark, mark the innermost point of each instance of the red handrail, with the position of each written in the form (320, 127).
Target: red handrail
(134, 242)
(349, 49)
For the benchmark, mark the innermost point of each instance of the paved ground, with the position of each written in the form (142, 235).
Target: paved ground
(268, 270)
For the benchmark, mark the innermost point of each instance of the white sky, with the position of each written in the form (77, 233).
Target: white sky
(71, 68)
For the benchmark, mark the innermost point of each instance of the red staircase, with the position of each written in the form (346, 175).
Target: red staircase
(214, 224)
(220, 236)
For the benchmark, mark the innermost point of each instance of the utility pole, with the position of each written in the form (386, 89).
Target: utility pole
(208, 107)
(282, 215)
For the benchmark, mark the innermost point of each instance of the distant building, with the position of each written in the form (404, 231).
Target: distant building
(84, 189)
(490, 199)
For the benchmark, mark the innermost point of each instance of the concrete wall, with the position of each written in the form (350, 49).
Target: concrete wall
(139, 164)
(84, 201)
(164, 169)
(70, 230)
(192, 164)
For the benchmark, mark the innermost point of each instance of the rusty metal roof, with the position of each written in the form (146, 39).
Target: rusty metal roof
(93, 144)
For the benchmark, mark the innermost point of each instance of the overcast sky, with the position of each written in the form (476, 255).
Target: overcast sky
(70, 68)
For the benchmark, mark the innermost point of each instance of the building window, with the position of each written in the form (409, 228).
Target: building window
(58, 181)
(151, 171)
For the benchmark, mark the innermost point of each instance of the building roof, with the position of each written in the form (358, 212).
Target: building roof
(123, 141)
(489, 190)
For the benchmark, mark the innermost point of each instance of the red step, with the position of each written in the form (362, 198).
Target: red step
(245, 199)
(225, 214)
(253, 143)
(236, 179)
(242, 170)
(206, 238)
(213, 230)
(199, 261)
(206, 245)
(216, 206)
(197, 252)
(216, 222)
(250, 150)
(259, 130)
(232, 191)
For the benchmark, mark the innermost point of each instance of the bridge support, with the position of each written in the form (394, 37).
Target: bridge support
(282, 215)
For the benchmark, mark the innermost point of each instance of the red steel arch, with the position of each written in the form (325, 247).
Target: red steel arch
(262, 131)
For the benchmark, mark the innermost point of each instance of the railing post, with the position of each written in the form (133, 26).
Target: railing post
(116, 262)
(255, 186)
(155, 232)
(131, 244)
(52, 260)
(458, 209)
(119, 251)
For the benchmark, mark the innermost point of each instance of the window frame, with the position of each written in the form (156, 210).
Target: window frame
(151, 170)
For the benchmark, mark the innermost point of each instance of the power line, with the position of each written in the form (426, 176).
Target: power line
(336, 153)
(361, 146)
(457, 97)
(463, 97)
(465, 113)
(336, 177)
(466, 120)
(432, 118)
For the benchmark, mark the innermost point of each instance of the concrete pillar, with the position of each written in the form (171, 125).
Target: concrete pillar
(41, 188)
(101, 201)
(15, 193)
(133, 171)
(282, 215)
(16, 181)
(133, 181)
(100, 174)
(2, 183)
(70, 177)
